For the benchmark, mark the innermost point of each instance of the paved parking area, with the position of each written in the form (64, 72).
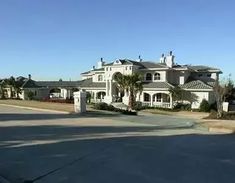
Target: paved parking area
(47, 147)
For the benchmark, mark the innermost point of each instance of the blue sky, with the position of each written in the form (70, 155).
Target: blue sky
(54, 39)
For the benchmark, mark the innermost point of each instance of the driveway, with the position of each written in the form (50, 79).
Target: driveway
(47, 147)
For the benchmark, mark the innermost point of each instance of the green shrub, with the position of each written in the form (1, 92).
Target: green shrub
(138, 106)
(106, 107)
(204, 106)
(101, 106)
(183, 107)
(30, 95)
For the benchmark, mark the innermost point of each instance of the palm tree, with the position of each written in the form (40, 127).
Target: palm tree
(2, 87)
(132, 84)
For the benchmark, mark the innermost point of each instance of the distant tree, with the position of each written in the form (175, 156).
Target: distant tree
(223, 91)
(2, 87)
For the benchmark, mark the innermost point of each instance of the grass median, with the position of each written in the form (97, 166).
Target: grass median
(40, 105)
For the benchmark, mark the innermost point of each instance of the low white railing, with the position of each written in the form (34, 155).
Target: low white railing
(146, 103)
(162, 104)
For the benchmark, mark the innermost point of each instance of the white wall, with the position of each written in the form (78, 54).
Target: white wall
(201, 96)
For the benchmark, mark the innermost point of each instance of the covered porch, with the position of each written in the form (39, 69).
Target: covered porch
(157, 99)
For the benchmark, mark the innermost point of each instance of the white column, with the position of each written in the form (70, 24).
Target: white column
(95, 95)
(151, 100)
(171, 101)
(107, 87)
(110, 89)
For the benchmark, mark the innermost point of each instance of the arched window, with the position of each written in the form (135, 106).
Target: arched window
(148, 77)
(146, 97)
(100, 78)
(157, 76)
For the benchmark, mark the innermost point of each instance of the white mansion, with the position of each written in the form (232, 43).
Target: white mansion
(158, 78)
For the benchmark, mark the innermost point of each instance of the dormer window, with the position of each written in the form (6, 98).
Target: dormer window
(148, 77)
(157, 76)
(100, 78)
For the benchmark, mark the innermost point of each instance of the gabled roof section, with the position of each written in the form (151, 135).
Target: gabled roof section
(202, 68)
(29, 83)
(87, 83)
(157, 85)
(142, 64)
(196, 84)
(58, 83)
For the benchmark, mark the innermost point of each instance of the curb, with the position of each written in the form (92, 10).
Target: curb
(221, 130)
(36, 109)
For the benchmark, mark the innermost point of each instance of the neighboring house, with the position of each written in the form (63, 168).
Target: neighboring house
(158, 78)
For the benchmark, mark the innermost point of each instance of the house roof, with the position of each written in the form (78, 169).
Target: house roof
(161, 85)
(202, 68)
(87, 83)
(196, 84)
(29, 83)
(142, 64)
(58, 83)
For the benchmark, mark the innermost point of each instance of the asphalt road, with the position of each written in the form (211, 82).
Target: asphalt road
(45, 147)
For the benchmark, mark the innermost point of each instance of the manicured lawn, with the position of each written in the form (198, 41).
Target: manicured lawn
(41, 105)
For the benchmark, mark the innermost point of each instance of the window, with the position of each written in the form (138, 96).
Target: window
(199, 75)
(126, 68)
(146, 97)
(208, 75)
(130, 67)
(159, 97)
(148, 77)
(110, 68)
(157, 76)
(100, 78)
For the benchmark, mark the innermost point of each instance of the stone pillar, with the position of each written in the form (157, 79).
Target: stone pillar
(225, 106)
(80, 102)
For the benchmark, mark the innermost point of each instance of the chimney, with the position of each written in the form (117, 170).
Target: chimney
(29, 76)
(162, 59)
(170, 60)
(100, 64)
(139, 59)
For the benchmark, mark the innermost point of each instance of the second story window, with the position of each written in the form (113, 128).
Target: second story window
(157, 76)
(100, 78)
(148, 77)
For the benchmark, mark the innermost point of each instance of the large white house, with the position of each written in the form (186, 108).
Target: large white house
(158, 76)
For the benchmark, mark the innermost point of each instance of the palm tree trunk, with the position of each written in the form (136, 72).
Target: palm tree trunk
(131, 100)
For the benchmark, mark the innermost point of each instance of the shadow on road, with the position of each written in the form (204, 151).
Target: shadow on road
(48, 116)
(180, 159)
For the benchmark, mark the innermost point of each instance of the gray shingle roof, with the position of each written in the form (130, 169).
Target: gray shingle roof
(143, 64)
(30, 84)
(161, 85)
(87, 83)
(196, 84)
(201, 68)
(58, 83)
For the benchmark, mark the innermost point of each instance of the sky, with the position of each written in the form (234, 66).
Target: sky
(53, 39)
